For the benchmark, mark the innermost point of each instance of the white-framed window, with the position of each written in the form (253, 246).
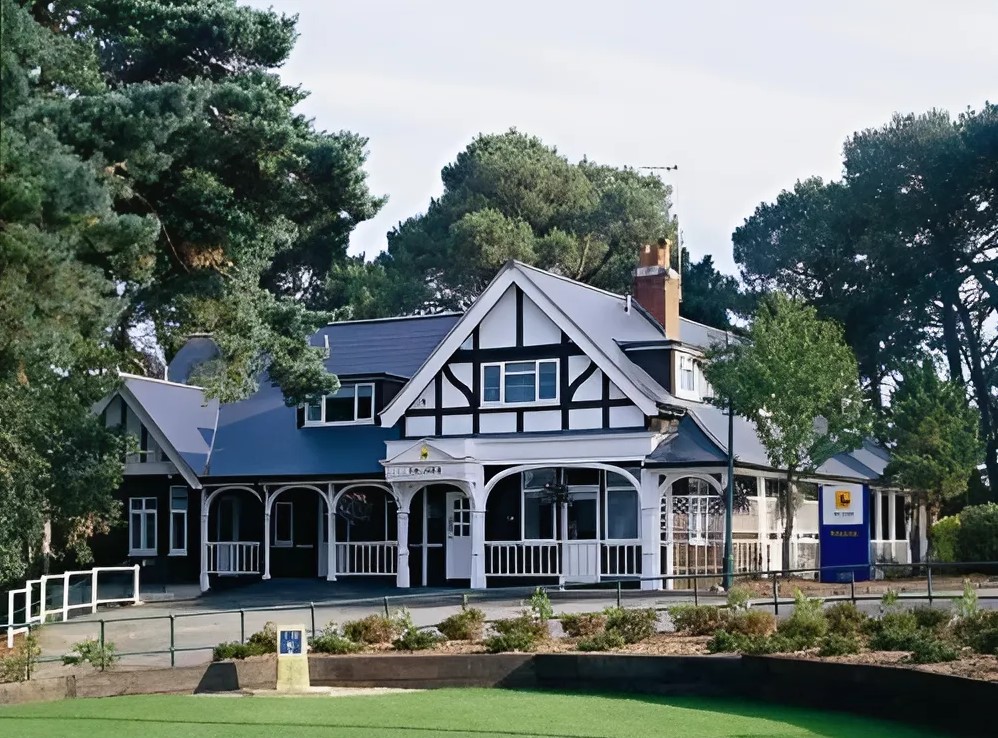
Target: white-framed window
(687, 374)
(540, 511)
(622, 508)
(178, 521)
(518, 382)
(351, 403)
(284, 524)
(142, 526)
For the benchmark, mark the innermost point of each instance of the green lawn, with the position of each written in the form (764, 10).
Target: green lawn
(476, 713)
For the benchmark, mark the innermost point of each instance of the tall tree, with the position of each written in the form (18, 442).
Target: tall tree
(935, 446)
(709, 296)
(510, 196)
(903, 251)
(798, 381)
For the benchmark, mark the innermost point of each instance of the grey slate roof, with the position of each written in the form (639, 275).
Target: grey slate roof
(182, 414)
(396, 346)
(702, 438)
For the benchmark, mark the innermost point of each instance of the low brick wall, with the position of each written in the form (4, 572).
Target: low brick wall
(424, 671)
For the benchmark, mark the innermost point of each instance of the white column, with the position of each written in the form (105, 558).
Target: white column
(478, 549)
(204, 540)
(402, 575)
(330, 534)
(651, 529)
(762, 521)
(670, 536)
(891, 513)
(266, 534)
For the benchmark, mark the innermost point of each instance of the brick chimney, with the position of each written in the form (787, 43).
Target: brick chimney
(658, 287)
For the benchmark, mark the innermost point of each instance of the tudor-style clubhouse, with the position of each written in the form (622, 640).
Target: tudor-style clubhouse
(554, 432)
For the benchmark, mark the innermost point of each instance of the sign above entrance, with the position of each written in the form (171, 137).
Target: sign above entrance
(413, 471)
(842, 504)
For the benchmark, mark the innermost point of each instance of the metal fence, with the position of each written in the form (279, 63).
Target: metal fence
(174, 629)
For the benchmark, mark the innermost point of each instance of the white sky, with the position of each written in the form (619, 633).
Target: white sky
(746, 97)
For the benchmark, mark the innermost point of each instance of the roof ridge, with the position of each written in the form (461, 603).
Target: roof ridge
(450, 313)
(562, 277)
(129, 375)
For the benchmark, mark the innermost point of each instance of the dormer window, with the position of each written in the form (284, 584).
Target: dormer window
(687, 374)
(516, 382)
(351, 403)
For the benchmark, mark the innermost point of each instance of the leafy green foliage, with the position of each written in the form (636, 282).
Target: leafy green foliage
(845, 619)
(978, 536)
(331, 641)
(724, 641)
(930, 619)
(632, 625)
(739, 597)
(19, 664)
(414, 639)
(979, 631)
(966, 604)
(929, 650)
(521, 633)
(837, 644)
(943, 539)
(607, 640)
(236, 650)
(540, 605)
(807, 623)
(579, 625)
(895, 631)
(696, 620)
(372, 629)
(91, 651)
(466, 625)
(797, 380)
(750, 622)
(265, 639)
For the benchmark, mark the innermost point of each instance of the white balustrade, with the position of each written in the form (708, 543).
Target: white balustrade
(87, 581)
(522, 559)
(620, 558)
(233, 557)
(367, 558)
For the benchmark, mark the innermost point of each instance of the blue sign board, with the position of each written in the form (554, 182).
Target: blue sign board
(844, 532)
(290, 643)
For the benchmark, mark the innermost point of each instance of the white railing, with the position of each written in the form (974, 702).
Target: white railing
(522, 559)
(366, 557)
(233, 557)
(620, 558)
(88, 579)
(748, 556)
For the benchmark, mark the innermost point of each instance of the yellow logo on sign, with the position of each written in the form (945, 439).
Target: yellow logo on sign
(843, 498)
(424, 452)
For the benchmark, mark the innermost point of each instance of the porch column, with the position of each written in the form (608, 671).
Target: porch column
(266, 534)
(402, 575)
(478, 549)
(330, 534)
(891, 517)
(204, 540)
(670, 535)
(651, 530)
(762, 521)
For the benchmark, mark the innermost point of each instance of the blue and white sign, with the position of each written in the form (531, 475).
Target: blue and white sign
(289, 642)
(844, 532)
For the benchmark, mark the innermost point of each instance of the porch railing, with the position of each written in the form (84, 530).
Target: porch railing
(522, 559)
(85, 586)
(366, 558)
(620, 558)
(233, 557)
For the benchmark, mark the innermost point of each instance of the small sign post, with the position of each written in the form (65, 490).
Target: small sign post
(844, 535)
(292, 659)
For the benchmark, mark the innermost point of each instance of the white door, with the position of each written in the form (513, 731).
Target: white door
(580, 535)
(581, 561)
(458, 536)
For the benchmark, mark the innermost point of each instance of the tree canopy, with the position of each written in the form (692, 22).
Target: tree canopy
(903, 251)
(798, 381)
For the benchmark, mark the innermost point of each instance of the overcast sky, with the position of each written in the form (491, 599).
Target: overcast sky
(745, 97)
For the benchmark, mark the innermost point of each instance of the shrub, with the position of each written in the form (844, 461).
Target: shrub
(844, 618)
(414, 639)
(372, 629)
(837, 644)
(966, 605)
(466, 625)
(265, 640)
(979, 631)
(929, 650)
(751, 623)
(738, 597)
(889, 600)
(583, 624)
(19, 664)
(521, 633)
(329, 640)
(929, 618)
(631, 625)
(696, 619)
(540, 605)
(943, 539)
(895, 631)
(90, 651)
(977, 539)
(505, 642)
(605, 641)
(724, 641)
(807, 622)
(235, 650)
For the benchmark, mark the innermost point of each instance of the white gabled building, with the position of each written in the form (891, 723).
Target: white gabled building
(554, 432)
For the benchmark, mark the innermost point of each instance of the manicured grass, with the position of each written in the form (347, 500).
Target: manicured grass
(475, 713)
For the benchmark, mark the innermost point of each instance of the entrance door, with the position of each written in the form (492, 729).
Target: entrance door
(226, 530)
(580, 534)
(458, 536)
